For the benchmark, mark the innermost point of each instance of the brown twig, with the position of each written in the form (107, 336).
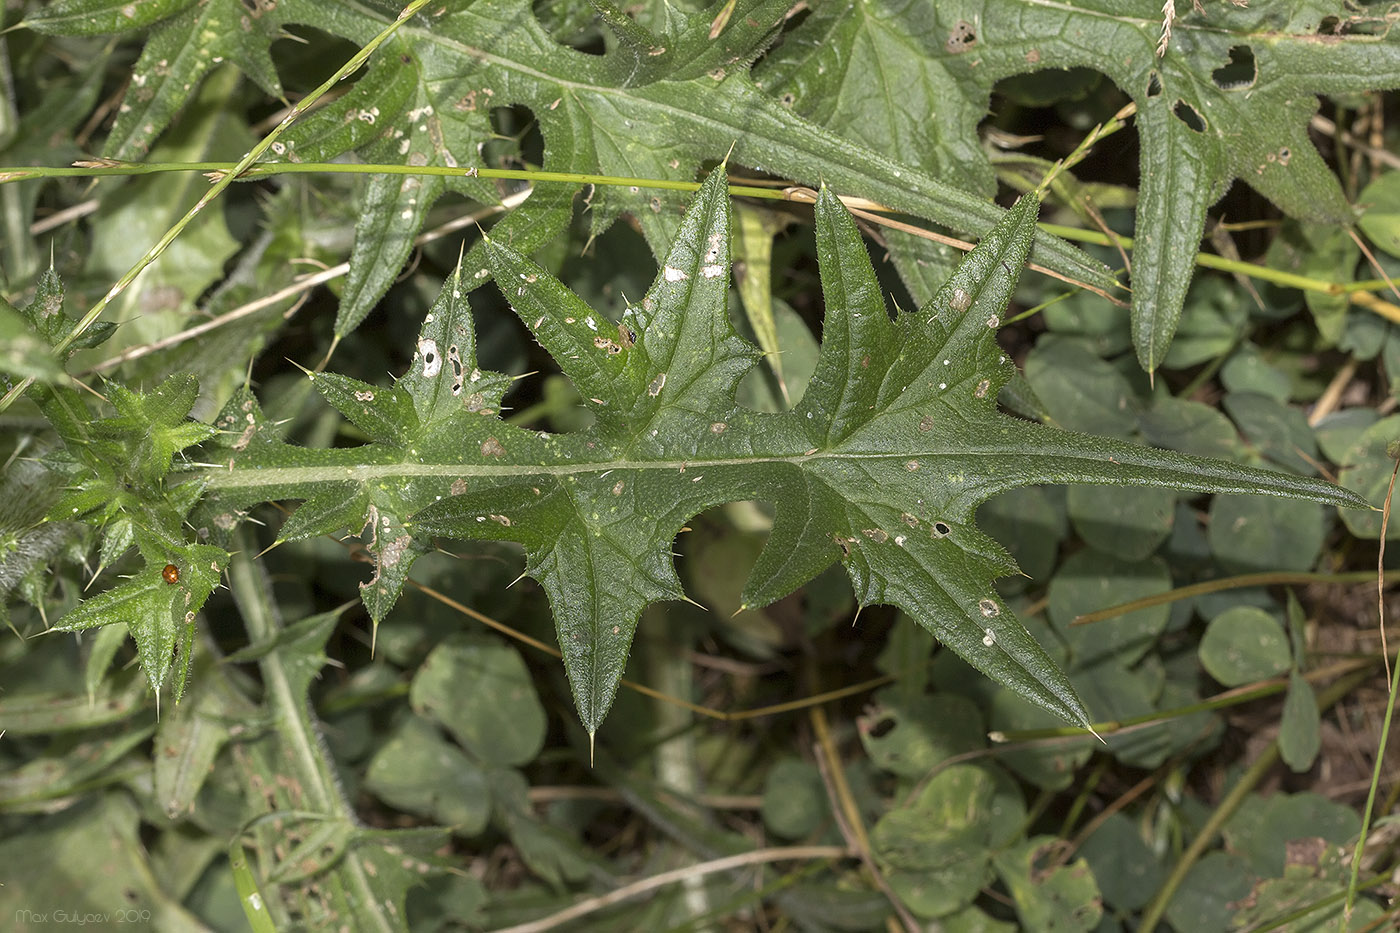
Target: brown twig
(637, 888)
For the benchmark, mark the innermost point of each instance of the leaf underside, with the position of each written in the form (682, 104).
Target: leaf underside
(881, 466)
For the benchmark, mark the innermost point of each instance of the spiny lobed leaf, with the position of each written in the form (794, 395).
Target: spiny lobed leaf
(656, 106)
(116, 469)
(836, 100)
(881, 465)
(1230, 98)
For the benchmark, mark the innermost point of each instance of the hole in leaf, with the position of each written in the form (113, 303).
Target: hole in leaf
(575, 25)
(1154, 85)
(519, 142)
(883, 728)
(1189, 115)
(1050, 86)
(1240, 72)
(942, 529)
(1329, 26)
(962, 38)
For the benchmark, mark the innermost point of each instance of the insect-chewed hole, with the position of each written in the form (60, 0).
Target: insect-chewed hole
(1240, 72)
(518, 143)
(882, 727)
(962, 37)
(562, 23)
(716, 549)
(1189, 115)
(942, 529)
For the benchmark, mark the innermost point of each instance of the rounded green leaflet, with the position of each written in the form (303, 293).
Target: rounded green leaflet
(1380, 220)
(1091, 580)
(485, 696)
(1251, 534)
(1127, 871)
(1244, 645)
(1082, 392)
(1339, 432)
(1204, 899)
(937, 850)
(911, 738)
(1050, 897)
(1248, 371)
(1190, 427)
(1125, 522)
(420, 772)
(1369, 466)
(1030, 520)
(1260, 830)
(794, 800)
(1300, 733)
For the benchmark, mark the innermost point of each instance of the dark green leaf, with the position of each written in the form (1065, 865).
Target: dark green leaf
(1243, 645)
(1247, 535)
(1368, 468)
(485, 697)
(99, 17)
(794, 800)
(1380, 212)
(881, 465)
(418, 771)
(1049, 896)
(1127, 871)
(1299, 735)
(177, 56)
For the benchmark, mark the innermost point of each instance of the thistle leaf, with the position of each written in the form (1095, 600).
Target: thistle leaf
(881, 466)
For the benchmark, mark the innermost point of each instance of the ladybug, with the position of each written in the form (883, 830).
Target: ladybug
(171, 574)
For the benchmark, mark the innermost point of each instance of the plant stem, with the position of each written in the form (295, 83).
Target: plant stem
(671, 673)
(1268, 578)
(295, 736)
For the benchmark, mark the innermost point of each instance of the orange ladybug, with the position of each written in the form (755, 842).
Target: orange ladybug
(171, 573)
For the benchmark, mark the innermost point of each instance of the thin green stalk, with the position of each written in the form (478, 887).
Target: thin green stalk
(1394, 672)
(1287, 920)
(217, 188)
(269, 169)
(1081, 799)
(1232, 801)
(306, 762)
(1371, 795)
(1268, 578)
(675, 758)
(1229, 698)
(1221, 263)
